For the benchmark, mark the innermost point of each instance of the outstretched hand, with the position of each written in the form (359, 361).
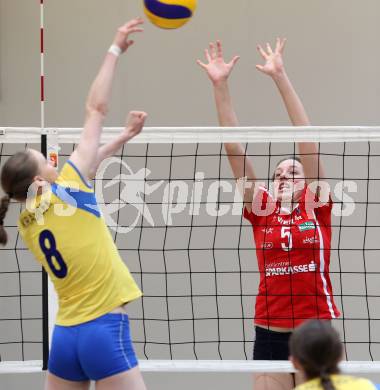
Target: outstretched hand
(122, 36)
(274, 63)
(217, 69)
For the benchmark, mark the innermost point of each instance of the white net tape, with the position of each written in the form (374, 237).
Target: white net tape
(207, 134)
(205, 366)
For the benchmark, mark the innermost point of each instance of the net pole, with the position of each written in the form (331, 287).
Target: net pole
(45, 287)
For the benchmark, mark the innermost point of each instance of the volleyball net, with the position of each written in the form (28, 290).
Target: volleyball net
(175, 212)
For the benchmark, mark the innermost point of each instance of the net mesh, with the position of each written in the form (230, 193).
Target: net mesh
(176, 218)
(20, 287)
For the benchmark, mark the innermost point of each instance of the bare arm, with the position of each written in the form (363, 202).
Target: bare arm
(85, 155)
(218, 71)
(134, 125)
(274, 67)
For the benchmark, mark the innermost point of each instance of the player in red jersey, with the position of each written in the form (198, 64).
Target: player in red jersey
(291, 228)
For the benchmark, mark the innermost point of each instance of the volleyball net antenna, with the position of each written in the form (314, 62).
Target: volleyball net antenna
(175, 212)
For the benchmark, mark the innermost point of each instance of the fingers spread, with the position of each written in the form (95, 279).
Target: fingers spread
(282, 45)
(207, 55)
(278, 45)
(260, 68)
(212, 50)
(201, 64)
(219, 49)
(262, 52)
(234, 60)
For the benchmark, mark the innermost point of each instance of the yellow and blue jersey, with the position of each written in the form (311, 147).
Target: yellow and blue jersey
(67, 234)
(340, 382)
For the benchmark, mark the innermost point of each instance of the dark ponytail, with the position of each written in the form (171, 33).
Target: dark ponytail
(326, 382)
(4, 204)
(317, 348)
(17, 175)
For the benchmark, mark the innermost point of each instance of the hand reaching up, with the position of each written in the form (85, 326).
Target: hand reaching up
(122, 36)
(274, 64)
(216, 67)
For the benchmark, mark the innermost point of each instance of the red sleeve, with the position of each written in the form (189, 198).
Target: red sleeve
(248, 215)
(323, 213)
(321, 207)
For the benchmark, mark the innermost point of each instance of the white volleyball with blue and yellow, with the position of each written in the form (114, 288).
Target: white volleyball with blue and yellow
(169, 14)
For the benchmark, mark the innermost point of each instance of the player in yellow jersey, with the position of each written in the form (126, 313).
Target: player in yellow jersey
(64, 229)
(316, 350)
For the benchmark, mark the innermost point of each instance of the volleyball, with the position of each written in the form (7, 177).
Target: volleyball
(169, 14)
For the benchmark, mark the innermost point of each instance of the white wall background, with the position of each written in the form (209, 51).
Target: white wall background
(332, 57)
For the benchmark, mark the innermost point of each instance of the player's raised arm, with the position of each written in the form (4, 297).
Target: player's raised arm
(134, 125)
(86, 154)
(218, 72)
(274, 67)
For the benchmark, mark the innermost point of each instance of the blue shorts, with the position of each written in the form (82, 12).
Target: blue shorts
(92, 351)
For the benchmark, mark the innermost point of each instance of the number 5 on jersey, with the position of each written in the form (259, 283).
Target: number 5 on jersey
(287, 235)
(53, 257)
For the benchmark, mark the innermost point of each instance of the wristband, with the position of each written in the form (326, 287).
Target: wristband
(115, 50)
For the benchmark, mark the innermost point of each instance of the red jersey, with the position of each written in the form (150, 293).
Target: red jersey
(293, 253)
